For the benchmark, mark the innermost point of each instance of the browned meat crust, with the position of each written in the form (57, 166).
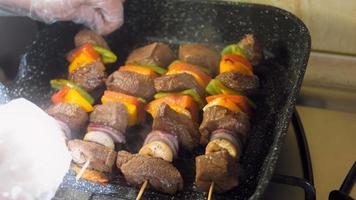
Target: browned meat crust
(131, 83)
(74, 116)
(218, 117)
(157, 54)
(87, 36)
(218, 167)
(239, 82)
(200, 55)
(101, 158)
(160, 174)
(177, 83)
(111, 114)
(175, 123)
(252, 48)
(90, 77)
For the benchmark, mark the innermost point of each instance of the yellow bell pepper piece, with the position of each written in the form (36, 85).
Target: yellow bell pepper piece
(81, 60)
(132, 109)
(224, 103)
(73, 96)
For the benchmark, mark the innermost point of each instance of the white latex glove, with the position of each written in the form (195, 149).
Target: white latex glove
(33, 155)
(103, 16)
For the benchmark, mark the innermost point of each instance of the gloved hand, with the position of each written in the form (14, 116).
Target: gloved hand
(103, 16)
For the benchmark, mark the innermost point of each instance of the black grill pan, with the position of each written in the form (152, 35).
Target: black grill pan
(286, 44)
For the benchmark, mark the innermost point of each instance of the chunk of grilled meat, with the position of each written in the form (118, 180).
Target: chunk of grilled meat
(111, 114)
(177, 83)
(157, 54)
(87, 36)
(90, 77)
(200, 55)
(73, 115)
(160, 174)
(252, 49)
(131, 83)
(176, 123)
(239, 82)
(218, 167)
(218, 117)
(101, 158)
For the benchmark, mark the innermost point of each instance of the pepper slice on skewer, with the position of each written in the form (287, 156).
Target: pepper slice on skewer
(70, 95)
(57, 84)
(140, 70)
(133, 104)
(107, 56)
(235, 63)
(175, 101)
(179, 67)
(189, 92)
(241, 101)
(83, 55)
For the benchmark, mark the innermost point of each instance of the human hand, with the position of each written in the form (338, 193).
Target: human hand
(103, 16)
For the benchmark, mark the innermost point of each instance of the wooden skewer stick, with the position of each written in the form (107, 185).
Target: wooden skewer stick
(85, 166)
(211, 189)
(143, 187)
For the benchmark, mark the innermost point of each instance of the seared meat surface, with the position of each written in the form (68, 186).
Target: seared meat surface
(90, 77)
(87, 36)
(160, 174)
(200, 55)
(131, 83)
(218, 167)
(101, 158)
(74, 116)
(177, 83)
(239, 82)
(218, 117)
(157, 54)
(178, 124)
(252, 48)
(111, 114)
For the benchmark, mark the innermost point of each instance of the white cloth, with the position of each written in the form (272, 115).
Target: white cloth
(33, 154)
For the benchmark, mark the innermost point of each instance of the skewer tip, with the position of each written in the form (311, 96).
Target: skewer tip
(81, 172)
(142, 190)
(211, 189)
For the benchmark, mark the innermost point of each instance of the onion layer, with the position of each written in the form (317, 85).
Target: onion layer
(169, 139)
(116, 135)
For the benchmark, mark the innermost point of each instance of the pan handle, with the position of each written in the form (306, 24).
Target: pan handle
(308, 188)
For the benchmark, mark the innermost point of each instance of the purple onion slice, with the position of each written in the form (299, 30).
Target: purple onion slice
(117, 136)
(169, 139)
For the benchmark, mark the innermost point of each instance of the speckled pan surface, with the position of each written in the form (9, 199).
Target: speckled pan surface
(286, 43)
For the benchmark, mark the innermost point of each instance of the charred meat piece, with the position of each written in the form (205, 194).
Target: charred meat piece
(111, 114)
(160, 174)
(73, 115)
(131, 83)
(101, 158)
(218, 167)
(90, 77)
(252, 49)
(177, 83)
(218, 117)
(200, 55)
(157, 54)
(178, 124)
(87, 36)
(239, 82)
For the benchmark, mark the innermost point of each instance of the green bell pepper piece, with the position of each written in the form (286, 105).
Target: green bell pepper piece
(158, 70)
(107, 56)
(189, 92)
(233, 49)
(57, 84)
